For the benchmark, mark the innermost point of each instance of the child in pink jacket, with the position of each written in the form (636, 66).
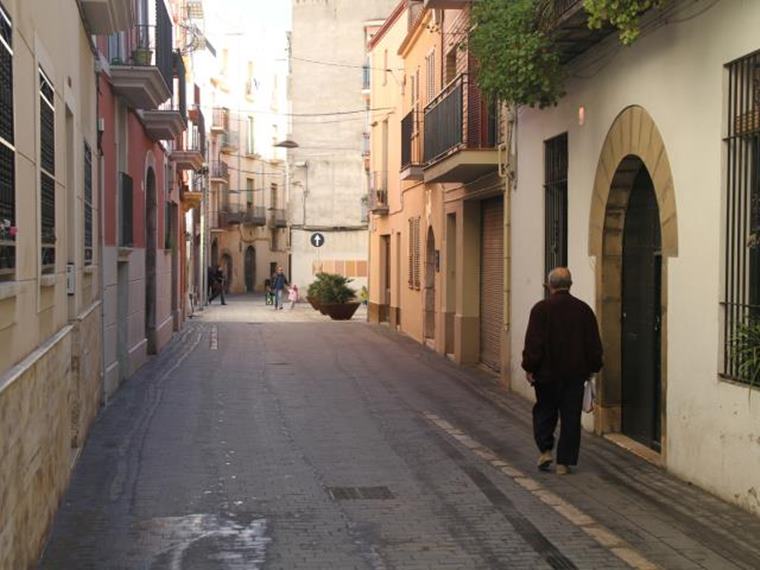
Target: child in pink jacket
(293, 296)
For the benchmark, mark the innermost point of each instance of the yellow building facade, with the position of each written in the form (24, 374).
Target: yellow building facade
(438, 257)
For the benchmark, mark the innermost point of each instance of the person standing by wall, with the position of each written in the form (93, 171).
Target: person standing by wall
(562, 350)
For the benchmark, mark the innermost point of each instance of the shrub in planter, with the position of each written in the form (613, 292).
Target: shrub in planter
(333, 296)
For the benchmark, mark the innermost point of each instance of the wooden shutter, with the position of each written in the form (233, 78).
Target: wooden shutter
(491, 281)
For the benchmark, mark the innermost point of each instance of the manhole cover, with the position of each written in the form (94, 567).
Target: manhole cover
(360, 493)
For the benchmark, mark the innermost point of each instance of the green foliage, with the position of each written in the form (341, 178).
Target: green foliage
(745, 350)
(622, 14)
(331, 288)
(518, 63)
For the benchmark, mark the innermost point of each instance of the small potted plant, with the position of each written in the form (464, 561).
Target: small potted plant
(142, 56)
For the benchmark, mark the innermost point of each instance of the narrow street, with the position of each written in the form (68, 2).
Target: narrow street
(263, 439)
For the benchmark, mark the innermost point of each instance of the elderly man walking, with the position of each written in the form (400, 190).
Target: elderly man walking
(562, 350)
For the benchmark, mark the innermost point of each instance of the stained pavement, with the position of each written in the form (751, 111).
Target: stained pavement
(277, 439)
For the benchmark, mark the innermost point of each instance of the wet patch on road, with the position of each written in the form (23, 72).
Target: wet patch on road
(228, 542)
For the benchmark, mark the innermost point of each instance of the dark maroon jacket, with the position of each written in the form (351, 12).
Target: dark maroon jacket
(562, 342)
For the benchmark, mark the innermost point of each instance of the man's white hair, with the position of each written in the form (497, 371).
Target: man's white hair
(560, 278)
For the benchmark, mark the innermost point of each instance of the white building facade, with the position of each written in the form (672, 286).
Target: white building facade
(329, 185)
(642, 181)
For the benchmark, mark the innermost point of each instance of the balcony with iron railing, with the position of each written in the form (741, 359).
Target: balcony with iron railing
(170, 120)
(411, 147)
(220, 120)
(108, 16)
(229, 142)
(460, 134)
(142, 62)
(378, 193)
(191, 148)
(570, 32)
(233, 212)
(219, 172)
(277, 218)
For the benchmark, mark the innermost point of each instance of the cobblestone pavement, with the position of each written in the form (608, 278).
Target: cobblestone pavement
(277, 439)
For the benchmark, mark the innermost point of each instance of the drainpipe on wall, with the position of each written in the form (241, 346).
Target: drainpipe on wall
(509, 172)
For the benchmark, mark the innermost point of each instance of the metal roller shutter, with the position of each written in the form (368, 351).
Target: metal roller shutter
(491, 281)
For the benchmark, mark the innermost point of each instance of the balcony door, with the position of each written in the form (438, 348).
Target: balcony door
(250, 269)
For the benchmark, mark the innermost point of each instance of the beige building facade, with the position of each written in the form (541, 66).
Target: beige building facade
(248, 229)
(50, 260)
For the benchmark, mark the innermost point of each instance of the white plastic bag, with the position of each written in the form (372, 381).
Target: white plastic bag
(589, 396)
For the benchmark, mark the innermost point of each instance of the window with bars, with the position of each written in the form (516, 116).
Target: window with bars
(7, 152)
(741, 289)
(87, 205)
(555, 205)
(414, 253)
(47, 173)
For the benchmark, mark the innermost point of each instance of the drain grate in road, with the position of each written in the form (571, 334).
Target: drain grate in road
(360, 493)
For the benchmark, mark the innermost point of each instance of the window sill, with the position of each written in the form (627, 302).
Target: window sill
(8, 290)
(47, 280)
(89, 269)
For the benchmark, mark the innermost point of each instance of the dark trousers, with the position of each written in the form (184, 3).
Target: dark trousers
(218, 289)
(563, 401)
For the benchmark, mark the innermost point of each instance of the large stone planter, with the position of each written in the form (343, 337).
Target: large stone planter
(340, 311)
(313, 302)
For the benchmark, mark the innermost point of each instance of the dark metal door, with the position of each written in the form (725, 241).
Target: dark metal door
(250, 269)
(641, 307)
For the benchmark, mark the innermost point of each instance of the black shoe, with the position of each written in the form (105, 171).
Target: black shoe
(224, 303)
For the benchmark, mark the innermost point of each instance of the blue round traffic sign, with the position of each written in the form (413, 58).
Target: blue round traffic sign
(317, 240)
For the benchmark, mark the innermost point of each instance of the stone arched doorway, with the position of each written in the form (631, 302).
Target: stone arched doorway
(250, 269)
(430, 269)
(633, 232)
(151, 245)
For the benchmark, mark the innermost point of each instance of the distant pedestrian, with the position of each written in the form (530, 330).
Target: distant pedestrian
(219, 282)
(562, 350)
(293, 296)
(268, 293)
(210, 280)
(279, 282)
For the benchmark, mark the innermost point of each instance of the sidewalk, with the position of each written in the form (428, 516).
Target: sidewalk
(252, 308)
(668, 521)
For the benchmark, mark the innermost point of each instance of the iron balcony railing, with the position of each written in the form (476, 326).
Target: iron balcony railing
(126, 237)
(219, 171)
(277, 218)
(411, 149)
(256, 215)
(378, 192)
(146, 45)
(220, 119)
(459, 118)
(229, 142)
(195, 136)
